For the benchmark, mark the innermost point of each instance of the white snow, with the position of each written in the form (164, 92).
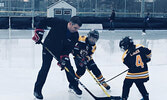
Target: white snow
(20, 61)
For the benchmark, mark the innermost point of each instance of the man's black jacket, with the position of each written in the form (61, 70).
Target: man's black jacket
(57, 39)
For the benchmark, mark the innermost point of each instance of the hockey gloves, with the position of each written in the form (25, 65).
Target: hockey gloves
(83, 61)
(38, 35)
(63, 61)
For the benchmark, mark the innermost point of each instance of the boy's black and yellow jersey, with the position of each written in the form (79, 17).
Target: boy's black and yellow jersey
(137, 63)
(83, 47)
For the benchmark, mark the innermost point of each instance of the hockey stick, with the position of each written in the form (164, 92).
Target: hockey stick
(96, 98)
(117, 75)
(97, 82)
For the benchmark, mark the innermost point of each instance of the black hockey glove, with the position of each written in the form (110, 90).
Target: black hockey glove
(148, 60)
(63, 61)
(82, 61)
(38, 35)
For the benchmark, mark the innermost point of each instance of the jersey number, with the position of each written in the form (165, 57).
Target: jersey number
(139, 61)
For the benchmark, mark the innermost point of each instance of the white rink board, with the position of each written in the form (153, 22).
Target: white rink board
(91, 26)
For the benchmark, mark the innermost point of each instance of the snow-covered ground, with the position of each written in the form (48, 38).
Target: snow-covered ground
(20, 61)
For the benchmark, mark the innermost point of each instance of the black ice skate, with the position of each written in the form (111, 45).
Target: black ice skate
(146, 97)
(105, 85)
(102, 82)
(75, 90)
(123, 99)
(38, 95)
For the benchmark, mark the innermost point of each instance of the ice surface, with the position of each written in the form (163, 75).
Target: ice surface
(20, 61)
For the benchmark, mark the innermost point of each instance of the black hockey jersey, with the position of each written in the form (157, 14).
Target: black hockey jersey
(83, 48)
(59, 39)
(137, 63)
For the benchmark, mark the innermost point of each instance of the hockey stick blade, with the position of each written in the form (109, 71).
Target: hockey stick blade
(115, 98)
(103, 98)
(108, 98)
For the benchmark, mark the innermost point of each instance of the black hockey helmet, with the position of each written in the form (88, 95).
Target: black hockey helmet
(93, 36)
(126, 43)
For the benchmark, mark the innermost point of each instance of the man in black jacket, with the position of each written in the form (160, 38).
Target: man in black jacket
(61, 39)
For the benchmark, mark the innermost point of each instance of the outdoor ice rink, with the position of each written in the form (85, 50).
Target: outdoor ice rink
(20, 61)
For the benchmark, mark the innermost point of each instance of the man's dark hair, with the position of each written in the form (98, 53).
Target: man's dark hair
(76, 20)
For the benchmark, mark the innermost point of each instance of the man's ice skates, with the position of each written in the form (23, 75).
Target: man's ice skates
(38, 95)
(75, 90)
(146, 97)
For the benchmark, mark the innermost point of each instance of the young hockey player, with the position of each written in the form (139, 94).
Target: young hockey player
(135, 58)
(60, 40)
(83, 51)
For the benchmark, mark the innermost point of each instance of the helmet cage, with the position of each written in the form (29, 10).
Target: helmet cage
(92, 40)
(126, 43)
(93, 36)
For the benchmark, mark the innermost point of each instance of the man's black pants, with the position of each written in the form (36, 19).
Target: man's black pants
(41, 78)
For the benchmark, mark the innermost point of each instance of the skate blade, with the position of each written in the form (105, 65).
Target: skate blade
(108, 90)
(71, 91)
(143, 33)
(37, 99)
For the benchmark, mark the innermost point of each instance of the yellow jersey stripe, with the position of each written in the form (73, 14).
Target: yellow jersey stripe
(137, 73)
(94, 48)
(142, 77)
(124, 55)
(82, 38)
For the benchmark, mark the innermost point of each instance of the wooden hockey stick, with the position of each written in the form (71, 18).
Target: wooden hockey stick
(97, 82)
